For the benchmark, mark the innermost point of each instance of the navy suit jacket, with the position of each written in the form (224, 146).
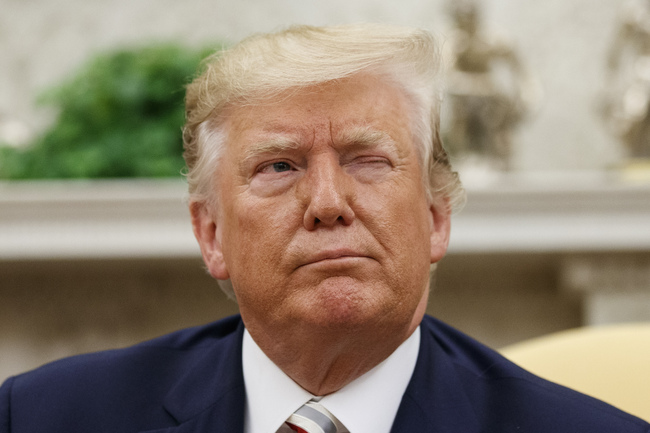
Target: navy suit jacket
(191, 381)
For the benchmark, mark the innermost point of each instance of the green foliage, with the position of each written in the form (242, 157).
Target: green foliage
(121, 116)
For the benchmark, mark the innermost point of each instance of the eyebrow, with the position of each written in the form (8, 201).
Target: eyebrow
(271, 146)
(365, 136)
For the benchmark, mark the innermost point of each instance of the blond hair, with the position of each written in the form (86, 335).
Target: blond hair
(263, 66)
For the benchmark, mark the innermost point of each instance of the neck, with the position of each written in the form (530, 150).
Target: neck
(331, 364)
(324, 360)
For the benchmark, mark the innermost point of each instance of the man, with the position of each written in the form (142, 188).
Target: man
(319, 187)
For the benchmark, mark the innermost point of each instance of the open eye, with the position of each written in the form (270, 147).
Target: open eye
(276, 167)
(274, 177)
(280, 166)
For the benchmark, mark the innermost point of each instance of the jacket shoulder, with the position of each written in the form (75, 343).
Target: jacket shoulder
(129, 383)
(504, 394)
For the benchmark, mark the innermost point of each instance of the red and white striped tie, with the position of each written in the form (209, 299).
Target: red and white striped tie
(312, 417)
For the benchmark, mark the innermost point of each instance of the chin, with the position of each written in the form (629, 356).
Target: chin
(345, 302)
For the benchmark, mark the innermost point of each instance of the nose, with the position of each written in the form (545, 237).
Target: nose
(328, 193)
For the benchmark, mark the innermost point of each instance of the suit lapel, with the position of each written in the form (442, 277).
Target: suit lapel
(211, 395)
(434, 400)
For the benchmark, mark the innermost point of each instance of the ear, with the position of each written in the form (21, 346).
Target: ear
(208, 235)
(440, 229)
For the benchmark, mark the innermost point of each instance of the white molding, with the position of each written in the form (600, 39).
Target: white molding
(98, 219)
(559, 212)
(553, 212)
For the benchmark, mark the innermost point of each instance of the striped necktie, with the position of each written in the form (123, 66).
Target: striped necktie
(312, 417)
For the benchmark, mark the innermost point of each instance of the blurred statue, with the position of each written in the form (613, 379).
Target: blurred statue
(626, 102)
(489, 91)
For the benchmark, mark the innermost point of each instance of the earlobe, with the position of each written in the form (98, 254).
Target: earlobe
(440, 229)
(207, 234)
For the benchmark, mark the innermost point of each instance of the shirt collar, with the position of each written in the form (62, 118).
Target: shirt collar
(366, 405)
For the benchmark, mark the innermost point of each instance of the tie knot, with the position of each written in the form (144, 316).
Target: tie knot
(312, 417)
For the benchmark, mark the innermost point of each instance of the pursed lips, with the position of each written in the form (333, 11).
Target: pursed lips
(333, 255)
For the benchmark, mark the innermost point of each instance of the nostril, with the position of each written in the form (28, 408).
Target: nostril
(339, 219)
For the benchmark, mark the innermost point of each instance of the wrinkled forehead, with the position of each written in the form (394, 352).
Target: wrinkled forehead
(363, 107)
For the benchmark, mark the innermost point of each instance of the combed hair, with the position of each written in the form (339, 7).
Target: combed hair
(262, 67)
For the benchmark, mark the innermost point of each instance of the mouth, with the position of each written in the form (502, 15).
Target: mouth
(335, 257)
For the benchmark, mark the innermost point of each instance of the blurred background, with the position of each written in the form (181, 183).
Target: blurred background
(546, 117)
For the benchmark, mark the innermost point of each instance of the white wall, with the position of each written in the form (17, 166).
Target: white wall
(563, 41)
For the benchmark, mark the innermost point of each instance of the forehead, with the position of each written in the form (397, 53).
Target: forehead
(361, 102)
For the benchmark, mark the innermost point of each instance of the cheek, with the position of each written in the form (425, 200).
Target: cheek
(272, 184)
(398, 206)
(259, 232)
(400, 222)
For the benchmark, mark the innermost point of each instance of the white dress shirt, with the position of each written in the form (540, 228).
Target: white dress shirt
(366, 405)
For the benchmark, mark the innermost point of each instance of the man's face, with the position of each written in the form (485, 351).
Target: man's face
(322, 215)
